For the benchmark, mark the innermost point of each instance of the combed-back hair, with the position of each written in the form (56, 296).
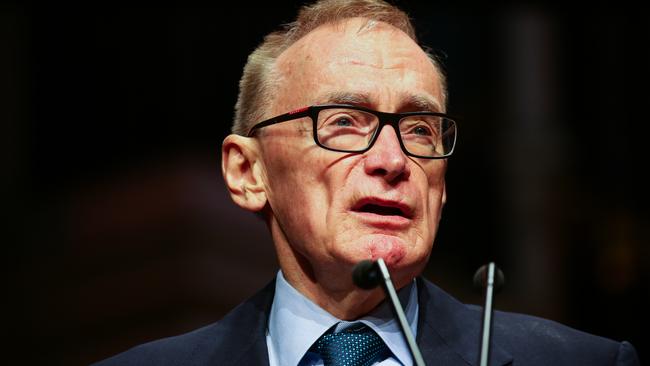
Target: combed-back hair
(256, 86)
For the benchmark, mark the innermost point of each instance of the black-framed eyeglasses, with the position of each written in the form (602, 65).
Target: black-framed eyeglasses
(348, 128)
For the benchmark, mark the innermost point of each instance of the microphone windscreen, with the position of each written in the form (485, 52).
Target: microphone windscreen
(480, 278)
(366, 275)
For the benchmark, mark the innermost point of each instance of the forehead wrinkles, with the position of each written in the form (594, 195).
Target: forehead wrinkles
(356, 42)
(360, 36)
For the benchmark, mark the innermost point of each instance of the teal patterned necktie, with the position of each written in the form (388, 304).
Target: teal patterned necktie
(355, 346)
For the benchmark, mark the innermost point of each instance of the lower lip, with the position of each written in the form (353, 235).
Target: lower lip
(383, 221)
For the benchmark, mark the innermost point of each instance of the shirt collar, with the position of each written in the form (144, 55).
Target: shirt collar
(295, 323)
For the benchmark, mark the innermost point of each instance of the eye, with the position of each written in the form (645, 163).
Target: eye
(422, 131)
(343, 122)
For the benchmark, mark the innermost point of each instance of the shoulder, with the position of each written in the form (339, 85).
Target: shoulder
(523, 338)
(546, 341)
(177, 350)
(240, 332)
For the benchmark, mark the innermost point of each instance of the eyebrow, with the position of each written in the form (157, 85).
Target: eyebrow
(422, 103)
(412, 102)
(348, 98)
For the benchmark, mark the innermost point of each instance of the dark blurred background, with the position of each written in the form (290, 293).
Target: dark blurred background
(119, 229)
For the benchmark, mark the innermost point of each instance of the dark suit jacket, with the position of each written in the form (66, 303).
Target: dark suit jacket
(448, 334)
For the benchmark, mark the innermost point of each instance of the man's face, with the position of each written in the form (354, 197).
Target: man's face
(333, 209)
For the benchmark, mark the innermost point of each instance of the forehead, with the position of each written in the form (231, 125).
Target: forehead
(355, 56)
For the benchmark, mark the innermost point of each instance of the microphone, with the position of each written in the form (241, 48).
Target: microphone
(490, 279)
(368, 275)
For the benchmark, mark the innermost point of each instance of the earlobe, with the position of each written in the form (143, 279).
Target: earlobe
(242, 172)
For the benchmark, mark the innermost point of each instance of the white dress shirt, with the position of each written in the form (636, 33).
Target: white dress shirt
(296, 322)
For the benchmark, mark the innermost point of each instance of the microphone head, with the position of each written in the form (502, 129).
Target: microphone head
(366, 275)
(480, 278)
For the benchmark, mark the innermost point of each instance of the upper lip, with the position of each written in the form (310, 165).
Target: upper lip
(404, 208)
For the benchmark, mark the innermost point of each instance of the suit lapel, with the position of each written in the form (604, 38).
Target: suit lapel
(449, 331)
(244, 341)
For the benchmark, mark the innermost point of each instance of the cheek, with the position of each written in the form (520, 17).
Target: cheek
(436, 189)
(287, 181)
(298, 186)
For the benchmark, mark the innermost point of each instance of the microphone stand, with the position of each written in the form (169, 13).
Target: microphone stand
(388, 287)
(489, 283)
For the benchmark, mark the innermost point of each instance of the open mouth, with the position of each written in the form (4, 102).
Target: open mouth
(383, 208)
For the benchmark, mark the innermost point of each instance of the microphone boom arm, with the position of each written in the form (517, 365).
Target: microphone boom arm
(388, 287)
(490, 279)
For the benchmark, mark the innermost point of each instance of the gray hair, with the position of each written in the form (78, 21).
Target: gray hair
(260, 76)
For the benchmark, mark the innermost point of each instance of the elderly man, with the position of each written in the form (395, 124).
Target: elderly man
(340, 142)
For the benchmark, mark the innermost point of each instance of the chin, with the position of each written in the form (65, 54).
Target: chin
(404, 262)
(390, 248)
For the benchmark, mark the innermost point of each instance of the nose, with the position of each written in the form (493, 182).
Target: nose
(386, 158)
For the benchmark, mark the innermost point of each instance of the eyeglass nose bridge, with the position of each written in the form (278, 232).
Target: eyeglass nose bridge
(387, 119)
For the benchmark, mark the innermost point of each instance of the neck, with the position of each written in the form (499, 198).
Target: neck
(328, 282)
(328, 286)
(343, 302)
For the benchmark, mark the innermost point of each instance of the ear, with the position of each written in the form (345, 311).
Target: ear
(242, 170)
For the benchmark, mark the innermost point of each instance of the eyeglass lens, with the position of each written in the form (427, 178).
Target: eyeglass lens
(352, 130)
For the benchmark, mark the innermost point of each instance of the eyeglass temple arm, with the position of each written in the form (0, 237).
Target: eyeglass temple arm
(295, 114)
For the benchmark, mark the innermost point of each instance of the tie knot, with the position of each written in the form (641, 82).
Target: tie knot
(355, 346)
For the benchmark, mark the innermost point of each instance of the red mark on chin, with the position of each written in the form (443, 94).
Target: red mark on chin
(390, 249)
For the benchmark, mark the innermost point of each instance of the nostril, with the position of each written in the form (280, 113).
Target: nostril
(390, 168)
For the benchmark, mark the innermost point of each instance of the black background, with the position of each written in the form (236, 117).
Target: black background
(119, 230)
